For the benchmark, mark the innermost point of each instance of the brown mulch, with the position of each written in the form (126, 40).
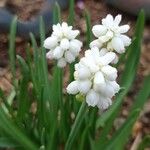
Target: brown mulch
(27, 9)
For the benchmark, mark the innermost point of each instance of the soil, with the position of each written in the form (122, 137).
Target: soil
(27, 9)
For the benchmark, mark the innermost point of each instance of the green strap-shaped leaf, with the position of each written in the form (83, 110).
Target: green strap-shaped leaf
(56, 14)
(119, 138)
(23, 95)
(7, 143)
(12, 51)
(76, 126)
(145, 143)
(88, 28)
(142, 95)
(35, 67)
(14, 132)
(84, 138)
(4, 101)
(55, 92)
(71, 12)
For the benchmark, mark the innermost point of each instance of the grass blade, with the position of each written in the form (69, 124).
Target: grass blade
(7, 143)
(88, 28)
(4, 102)
(23, 95)
(138, 105)
(71, 12)
(56, 14)
(118, 140)
(12, 131)
(76, 126)
(142, 95)
(11, 51)
(145, 143)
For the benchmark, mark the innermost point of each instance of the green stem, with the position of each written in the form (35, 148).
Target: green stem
(71, 67)
(76, 126)
(88, 28)
(60, 87)
(71, 12)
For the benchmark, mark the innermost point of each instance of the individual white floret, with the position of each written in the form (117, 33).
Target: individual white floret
(61, 62)
(92, 98)
(72, 88)
(104, 103)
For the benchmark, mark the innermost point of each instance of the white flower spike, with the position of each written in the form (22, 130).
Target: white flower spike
(62, 44)
(110, 35)
(95, 78)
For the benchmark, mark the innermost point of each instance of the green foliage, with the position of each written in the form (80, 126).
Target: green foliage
(7, 142)
(11, 50)
(56, 14)
(70, 22)
(107, 119)
(71, 12)
(38, 115)
(145, 143)
(120, 137)
(88, 28)
(76, 126)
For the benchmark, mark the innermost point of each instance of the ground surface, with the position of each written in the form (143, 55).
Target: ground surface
(26, 9)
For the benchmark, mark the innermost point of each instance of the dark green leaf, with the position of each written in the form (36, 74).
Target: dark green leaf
(56, 14)
(145, 143)
(71, 12)
(118, 140)
(7, 143)
(14, 132)
(11, 51)
(88, 28)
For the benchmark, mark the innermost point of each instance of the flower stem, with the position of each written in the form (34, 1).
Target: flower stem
(76, 126)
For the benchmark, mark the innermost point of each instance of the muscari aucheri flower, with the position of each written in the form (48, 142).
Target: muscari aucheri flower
(95, 79)
(111, 35)
(62, 44)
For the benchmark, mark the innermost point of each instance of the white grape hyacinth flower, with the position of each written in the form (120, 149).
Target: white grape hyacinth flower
(110, 35)
(95, 78)
(63, 45)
